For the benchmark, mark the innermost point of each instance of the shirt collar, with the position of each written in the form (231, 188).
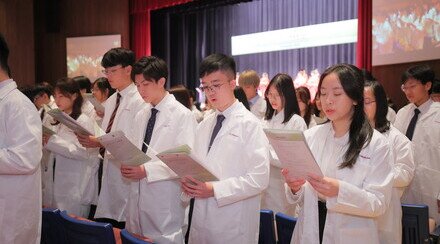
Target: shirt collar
(228, 112)
(163, 103)
(5, 83)
(425, 106)
(253, 100)
(127, 90)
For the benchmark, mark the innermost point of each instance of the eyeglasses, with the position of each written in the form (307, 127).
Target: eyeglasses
(409, 87)
(110, 71)
(211, 88)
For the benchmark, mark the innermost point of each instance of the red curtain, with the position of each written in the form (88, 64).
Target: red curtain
(140, 34)
(364, 41)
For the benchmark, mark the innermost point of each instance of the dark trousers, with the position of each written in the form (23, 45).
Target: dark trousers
(322, 213)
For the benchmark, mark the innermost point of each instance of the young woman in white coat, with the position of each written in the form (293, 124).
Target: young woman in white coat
(282, 113)
(154, 208)
(376, 109)
(73, 162)
(341, 207)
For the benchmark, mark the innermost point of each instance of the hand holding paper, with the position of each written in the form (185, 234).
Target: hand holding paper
(293, 153)
(195, 188)
(68, 121)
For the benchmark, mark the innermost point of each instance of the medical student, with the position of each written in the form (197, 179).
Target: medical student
(85, 87)
(249, 81)
(73, 162)
(420, 122)
(282, 113)
(376, 108)
(42, 94)
(231, 143)
(20, 154)
(101, 90)
(305, 105)
(154, 207)
(341, 207)
(120, 109)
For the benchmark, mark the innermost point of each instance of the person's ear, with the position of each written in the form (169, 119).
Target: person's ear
(428, 86)
(161, 82)
(128, 69)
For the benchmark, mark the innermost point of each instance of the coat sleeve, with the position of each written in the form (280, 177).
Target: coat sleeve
(255, 180)
(72, 148)
(404, 166)
(294, 198)
(185, 134)
(22, 152)
(373, 198)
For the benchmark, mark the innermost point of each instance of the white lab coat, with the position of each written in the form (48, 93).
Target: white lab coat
(259, 107)
(274, 197)
(391, 115)
(154, 208)
(73, 168)
(115, 188)
(364, 190)
(239, 158)
(389, 224)
(20, 174)
(425, 186)
(47, 161)
(89, 110)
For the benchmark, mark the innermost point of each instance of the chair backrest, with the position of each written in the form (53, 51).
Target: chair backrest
(128, 238)
(87, 232)
(52, 228)
(285, 226)
(267, 228)
(415, 229)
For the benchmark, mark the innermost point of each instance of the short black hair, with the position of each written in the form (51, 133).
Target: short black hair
(83, 82)
(4, 55)
(216, 62)
(422, 73)
(42, 88)
(118, 56)
(435, 86)
(151, 67)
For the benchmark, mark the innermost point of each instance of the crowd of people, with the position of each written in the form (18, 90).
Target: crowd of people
(370, 164)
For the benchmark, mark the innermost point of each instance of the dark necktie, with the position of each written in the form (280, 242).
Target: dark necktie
(217, 128)
(412, 124)
(149, 130)
(110, 122)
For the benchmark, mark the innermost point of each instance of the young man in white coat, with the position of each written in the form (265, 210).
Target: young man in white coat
(20, 154)
(231, 143)
(154, 208)
(420, 122)
(249, 81)
(120, 109)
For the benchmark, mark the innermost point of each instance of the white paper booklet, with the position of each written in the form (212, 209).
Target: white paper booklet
(293, 152)
(68, 121)
(181, 161)
(122, 150)
(98, 106)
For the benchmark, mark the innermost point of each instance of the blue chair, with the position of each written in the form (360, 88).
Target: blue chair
(415, 229)
(87, 232)
(128, 238)
(267, 228)
(52, 229)
(285, 226)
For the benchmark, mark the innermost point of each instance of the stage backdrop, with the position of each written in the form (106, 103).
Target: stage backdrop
(184, 35)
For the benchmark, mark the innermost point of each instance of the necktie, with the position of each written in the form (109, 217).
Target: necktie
(412, 124)
(110, 122)
(149, 130)
(217, 128)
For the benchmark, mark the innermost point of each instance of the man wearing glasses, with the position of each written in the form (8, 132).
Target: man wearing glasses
(120, 109)
(231, 143)
(420, 121)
